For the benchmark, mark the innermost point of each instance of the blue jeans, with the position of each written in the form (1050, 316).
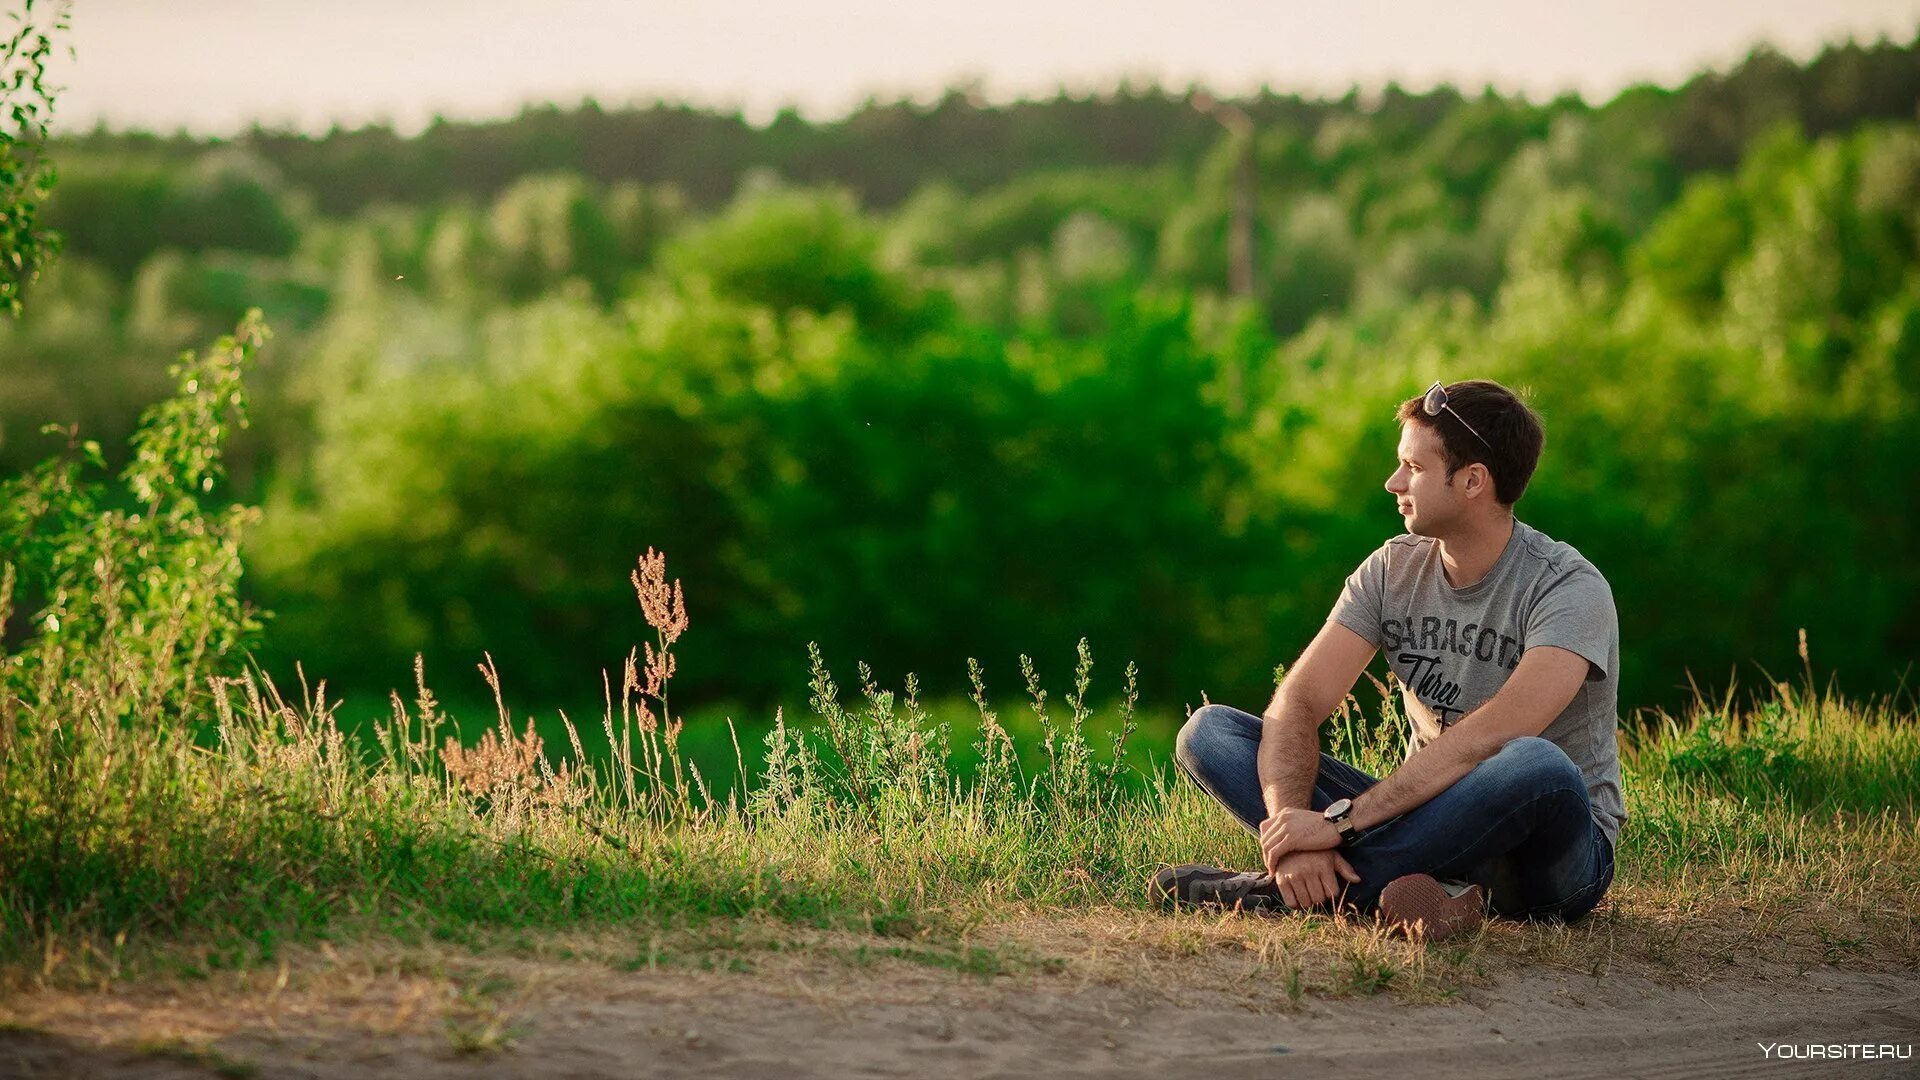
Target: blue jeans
(1519, 825)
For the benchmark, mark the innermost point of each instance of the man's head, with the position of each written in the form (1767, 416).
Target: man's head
(1447, 474)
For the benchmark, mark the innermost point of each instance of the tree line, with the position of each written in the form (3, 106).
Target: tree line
(930, 383)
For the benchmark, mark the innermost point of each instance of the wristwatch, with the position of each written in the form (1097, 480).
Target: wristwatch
(1340, 816)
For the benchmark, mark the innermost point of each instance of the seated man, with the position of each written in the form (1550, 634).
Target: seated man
(1507, 650)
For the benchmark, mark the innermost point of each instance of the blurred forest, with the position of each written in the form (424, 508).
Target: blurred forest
(932, 382)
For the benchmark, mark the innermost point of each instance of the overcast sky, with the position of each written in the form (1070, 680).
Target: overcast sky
(215, 66)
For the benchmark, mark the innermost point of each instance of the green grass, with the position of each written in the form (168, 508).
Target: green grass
(158, 814)
(283, 833)
(212, 843)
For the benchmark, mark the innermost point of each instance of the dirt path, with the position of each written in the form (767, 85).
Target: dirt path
(584, 1020)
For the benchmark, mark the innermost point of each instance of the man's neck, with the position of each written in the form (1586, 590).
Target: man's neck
(1468, 556)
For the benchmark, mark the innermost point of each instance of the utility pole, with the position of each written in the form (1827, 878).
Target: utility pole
(1240, 227)
(1240, 279)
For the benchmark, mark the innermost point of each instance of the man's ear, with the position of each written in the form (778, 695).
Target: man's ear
(1479, 480)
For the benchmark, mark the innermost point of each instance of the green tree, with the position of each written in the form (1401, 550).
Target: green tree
(26, 108)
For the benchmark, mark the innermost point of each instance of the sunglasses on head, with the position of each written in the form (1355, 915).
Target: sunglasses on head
(1436, 401)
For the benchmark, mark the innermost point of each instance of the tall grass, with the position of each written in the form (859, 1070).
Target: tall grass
(281, 825)
(149, 789)
(152, 792)
(1798, 805)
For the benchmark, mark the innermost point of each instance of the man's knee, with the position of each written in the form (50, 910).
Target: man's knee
(1538, 759)
(1204, 729)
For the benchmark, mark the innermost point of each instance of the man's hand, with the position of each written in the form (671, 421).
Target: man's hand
(1308, 879)
(1296, 829)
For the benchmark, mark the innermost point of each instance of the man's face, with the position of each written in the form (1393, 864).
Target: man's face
(1428, 503)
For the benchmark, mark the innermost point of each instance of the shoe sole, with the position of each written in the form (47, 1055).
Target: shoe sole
(1421, 907)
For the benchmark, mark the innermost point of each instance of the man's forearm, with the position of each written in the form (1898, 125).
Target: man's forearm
(1289, 757)
(1430, 771)
(1545, 682)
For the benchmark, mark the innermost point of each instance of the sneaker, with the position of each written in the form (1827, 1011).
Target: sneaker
(1424, 906)
(1195, 885)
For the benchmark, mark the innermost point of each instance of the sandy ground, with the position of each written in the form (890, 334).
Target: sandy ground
(805, 1018)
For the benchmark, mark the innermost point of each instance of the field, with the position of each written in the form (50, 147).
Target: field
(268, 888)
(932, 388)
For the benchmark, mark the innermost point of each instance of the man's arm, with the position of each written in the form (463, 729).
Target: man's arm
(1289, 757)
(1289, 760)
(1538, 690)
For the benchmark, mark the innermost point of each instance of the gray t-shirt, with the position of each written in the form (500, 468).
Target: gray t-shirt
(1453, 648)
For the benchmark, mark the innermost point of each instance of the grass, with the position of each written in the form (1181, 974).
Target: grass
(197, 847)
(162, 813)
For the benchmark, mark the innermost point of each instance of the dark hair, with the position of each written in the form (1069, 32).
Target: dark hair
(1513, 430)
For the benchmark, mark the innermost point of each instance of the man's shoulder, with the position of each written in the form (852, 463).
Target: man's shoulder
(1399, 554)
(1405, 543)
(1555, 561)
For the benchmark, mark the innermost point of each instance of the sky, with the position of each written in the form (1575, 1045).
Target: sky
(217, 66)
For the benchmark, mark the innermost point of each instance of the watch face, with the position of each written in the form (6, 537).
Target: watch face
(1339, 809)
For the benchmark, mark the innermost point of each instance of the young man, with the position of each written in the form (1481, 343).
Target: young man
(1507, 650)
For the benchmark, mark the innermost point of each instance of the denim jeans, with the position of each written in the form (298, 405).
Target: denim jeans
(1519, 824)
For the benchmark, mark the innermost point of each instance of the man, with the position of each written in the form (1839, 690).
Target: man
(1507, 650)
